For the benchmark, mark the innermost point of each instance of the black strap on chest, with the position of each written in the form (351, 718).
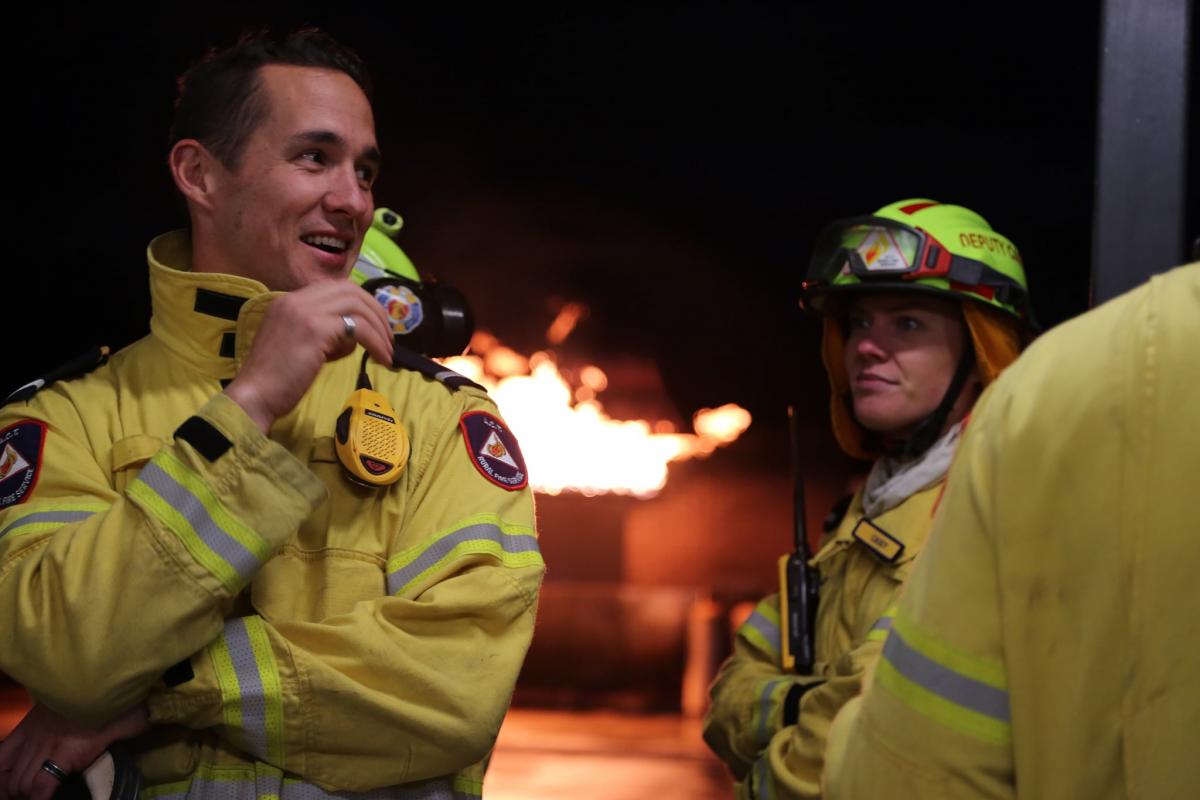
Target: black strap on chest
(403, 358)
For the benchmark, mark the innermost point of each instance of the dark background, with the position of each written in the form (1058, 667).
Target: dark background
(668, 165)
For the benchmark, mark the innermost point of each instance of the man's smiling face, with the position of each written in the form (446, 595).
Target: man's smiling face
(296, 205)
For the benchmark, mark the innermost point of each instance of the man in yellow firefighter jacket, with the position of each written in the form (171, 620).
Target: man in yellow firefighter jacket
(1047, 644)
(181, 555)
(923, 304)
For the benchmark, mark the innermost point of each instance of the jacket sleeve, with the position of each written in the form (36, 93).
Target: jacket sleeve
(78, 560)
(750, 692)
(790, 766)
(406, 687)
(934, 721)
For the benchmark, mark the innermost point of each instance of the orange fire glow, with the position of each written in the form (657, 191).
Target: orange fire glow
(569, 442)
(568, 317)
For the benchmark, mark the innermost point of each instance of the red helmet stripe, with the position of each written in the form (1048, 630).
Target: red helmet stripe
(913, 208)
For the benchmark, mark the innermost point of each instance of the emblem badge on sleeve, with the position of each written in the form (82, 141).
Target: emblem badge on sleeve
(20, 460)
(494, 450)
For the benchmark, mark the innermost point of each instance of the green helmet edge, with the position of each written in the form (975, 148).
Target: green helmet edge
(381, 252)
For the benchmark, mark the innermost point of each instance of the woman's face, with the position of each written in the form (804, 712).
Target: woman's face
(902, 350)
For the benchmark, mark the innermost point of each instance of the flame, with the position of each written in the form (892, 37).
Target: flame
(568, 317)
(569, 442)
(724, 424)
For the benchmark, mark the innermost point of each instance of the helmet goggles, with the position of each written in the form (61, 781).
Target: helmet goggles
(872, 250)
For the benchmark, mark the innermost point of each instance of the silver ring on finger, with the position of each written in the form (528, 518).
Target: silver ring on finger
(54, 769)
(350, 324)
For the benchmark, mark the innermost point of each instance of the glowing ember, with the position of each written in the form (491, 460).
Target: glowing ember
(569, 442)
(594, 378)
(565, 322)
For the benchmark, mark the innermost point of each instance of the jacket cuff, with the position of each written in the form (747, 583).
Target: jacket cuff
(261, 469)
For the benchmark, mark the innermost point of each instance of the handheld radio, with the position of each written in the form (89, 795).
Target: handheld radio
(369, 438)
(799, 584)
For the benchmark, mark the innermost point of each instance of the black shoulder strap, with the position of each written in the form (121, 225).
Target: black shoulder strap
(836, 514)
(403, 358)
(80, 365)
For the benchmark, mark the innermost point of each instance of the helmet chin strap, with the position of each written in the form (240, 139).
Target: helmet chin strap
(928, 430)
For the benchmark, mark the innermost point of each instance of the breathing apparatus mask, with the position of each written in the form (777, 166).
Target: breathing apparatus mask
(427, 317)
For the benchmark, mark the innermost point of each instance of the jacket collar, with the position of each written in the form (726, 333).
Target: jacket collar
(206, 319)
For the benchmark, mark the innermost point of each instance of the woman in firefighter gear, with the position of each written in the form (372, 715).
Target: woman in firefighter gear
(923, 304)
(1046, 645)
(178, 539)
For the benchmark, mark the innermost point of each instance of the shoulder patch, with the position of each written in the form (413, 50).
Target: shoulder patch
(493, 450)
(20, 460)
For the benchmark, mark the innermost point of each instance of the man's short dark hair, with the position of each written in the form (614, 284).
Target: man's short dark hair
(220, 102)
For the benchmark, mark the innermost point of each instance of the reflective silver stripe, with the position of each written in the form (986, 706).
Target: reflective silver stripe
(446, 375)
(439, 789)
(768, 629)
(244, 562)
(943, 681)
(209, 789)
(442, 547)
(48, 516)
(764, 710)
(762, 779)
(253, 705)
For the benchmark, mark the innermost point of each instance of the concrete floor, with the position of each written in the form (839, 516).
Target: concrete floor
(602, 755)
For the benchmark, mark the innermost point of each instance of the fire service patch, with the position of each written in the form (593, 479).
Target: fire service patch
(20, 460)
(494, 450)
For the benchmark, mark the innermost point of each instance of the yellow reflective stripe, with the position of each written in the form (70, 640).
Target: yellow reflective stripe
(984, 670)
(251, 692)
(941, 710)
(183, 502)
(272, 688)
(770, 695)
(468, 786)
(263, 782)
(51, 516)
(763, 787)
(485, 534)
(769, 608)
(231, 525)
(882, 626)
(468, 782)
(178, 789)
(959, 690)
(227, 680)
(761, 628)
(177, 524)
(249, 782)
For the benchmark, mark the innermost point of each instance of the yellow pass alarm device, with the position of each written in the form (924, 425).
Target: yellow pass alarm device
(369, 438)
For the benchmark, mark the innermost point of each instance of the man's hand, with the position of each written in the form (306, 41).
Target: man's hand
(42, 735)
(300, 332)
